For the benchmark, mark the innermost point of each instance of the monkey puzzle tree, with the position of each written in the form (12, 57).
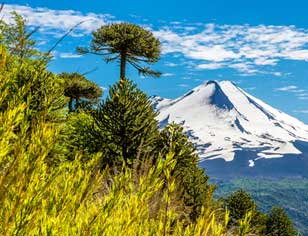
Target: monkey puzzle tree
(126, 43)
(77, 87)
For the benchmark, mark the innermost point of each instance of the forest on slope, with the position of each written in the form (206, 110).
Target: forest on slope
(292, 193)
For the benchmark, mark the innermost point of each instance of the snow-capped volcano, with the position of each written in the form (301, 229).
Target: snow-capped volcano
(222, 120)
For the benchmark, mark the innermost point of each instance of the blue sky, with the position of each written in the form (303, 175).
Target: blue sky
(260, 45)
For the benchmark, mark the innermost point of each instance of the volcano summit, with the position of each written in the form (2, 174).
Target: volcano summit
(229, 127)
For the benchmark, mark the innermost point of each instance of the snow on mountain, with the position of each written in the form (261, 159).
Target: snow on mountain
(221, 120)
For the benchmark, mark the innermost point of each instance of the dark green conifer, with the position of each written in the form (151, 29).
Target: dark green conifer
(126, 43)
(78, 89)
(279, 224)
(126, 124)
(191, 180)
(239, 203)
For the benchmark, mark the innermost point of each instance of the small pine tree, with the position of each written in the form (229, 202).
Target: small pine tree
(279, 224)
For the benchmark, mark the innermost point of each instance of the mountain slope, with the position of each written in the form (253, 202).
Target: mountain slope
(226, 123)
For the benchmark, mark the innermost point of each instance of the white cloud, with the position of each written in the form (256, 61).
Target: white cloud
(103, 88)
(167, 74)
(264, 61)
(245, 48)
(248, 49)
(61, 20)
(244, 67)
(298, 91)
(171, 64)
(183, 85)
(215, 53)
(210, 66)
(301, 111)
(287, 88)
(69, 55)
(251, 88)
(302, 94)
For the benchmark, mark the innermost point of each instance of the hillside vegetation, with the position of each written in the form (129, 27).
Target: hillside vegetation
(71, 164)
(292, 193)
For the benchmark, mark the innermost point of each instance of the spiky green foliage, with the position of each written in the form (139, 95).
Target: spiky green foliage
(74, 199)
(123, 126)
(80, 90)
(125, 123)
(239, 203)
(126, 43)
(279, 223)
(191, 180)
(46, 88)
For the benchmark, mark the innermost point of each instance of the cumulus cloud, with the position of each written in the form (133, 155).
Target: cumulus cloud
(210, 66)
(69, 55)
(61, 20)
(287, 88)
(245, 48)
(183, 85)
(171, 64)
(168, 74)
(301, 111)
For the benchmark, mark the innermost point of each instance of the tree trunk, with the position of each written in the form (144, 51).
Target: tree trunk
(123, 65)
(70, 105)
(77, 103)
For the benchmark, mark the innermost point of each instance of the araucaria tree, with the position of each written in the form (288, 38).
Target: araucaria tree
(125, 124)
(122, 127)
(126, 43)
(78, 89)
